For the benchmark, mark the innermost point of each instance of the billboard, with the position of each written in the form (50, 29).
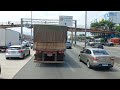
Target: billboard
(66, 20)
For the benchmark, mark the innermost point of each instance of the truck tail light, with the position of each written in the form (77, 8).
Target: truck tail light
(61, 52)
(38, 52)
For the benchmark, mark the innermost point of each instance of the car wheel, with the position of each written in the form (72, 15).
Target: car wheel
(79, 58)
(23, 56)
(88, 64)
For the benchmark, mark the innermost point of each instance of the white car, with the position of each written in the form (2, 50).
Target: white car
(18, 51)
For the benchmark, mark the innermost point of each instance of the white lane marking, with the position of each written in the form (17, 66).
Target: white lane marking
(70, 67)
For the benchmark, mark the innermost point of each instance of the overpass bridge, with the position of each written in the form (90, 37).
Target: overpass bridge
(27, 22)
(71, 29)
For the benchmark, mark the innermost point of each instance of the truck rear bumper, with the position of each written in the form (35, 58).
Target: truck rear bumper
(38, 61)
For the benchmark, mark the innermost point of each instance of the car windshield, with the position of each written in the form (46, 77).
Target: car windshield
(100, 52)
(14, 48)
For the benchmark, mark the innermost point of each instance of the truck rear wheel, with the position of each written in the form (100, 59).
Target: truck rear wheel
(7, 58)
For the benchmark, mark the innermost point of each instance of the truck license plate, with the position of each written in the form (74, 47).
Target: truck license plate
(49, 54)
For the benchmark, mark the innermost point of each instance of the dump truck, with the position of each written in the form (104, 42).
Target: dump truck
(49, 42)
(8, 36)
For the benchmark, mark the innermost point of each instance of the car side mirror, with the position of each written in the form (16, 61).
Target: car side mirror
(81, 52)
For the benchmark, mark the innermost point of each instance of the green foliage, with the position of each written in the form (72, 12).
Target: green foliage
(96, 25)
(103, 24)
(117, 28)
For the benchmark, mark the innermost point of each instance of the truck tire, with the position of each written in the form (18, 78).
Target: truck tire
(7, 58)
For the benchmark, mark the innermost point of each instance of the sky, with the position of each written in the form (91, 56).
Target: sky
(15, 16)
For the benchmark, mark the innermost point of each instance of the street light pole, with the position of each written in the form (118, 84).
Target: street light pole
(75, 30)
(85, 25)
(31, 25)
(21, 30)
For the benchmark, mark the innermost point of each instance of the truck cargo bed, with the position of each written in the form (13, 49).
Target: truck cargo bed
(49, 43)
(49, 46)
(50, 33)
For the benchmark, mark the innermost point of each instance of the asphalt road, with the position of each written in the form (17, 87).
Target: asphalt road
(11, 66)
(71, 69)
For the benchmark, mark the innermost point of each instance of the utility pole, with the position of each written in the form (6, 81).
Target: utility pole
(31, 25)
(21, 30)
(75, 30)
(72, 37)
(85, 25)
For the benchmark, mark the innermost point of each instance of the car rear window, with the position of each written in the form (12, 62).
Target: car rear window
(14, 48)
(68, 42)
(100, 52)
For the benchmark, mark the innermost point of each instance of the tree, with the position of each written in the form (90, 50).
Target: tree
(95, 24)
(104, 25)
(117, 28)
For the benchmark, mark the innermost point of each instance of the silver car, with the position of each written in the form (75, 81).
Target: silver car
(19, 51)
(68, 45)
(96, 57)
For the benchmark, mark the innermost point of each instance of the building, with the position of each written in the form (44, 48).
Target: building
(111, 16)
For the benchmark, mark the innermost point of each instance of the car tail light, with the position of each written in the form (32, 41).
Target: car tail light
(20, 51)
(111, 58)
(94, 58)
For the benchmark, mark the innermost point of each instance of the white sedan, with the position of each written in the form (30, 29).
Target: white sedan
(19, 51)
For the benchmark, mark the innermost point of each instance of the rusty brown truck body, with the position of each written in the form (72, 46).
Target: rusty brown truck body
(49, 43)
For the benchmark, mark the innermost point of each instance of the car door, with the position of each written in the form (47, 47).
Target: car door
(82, 56)
(87, 55)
